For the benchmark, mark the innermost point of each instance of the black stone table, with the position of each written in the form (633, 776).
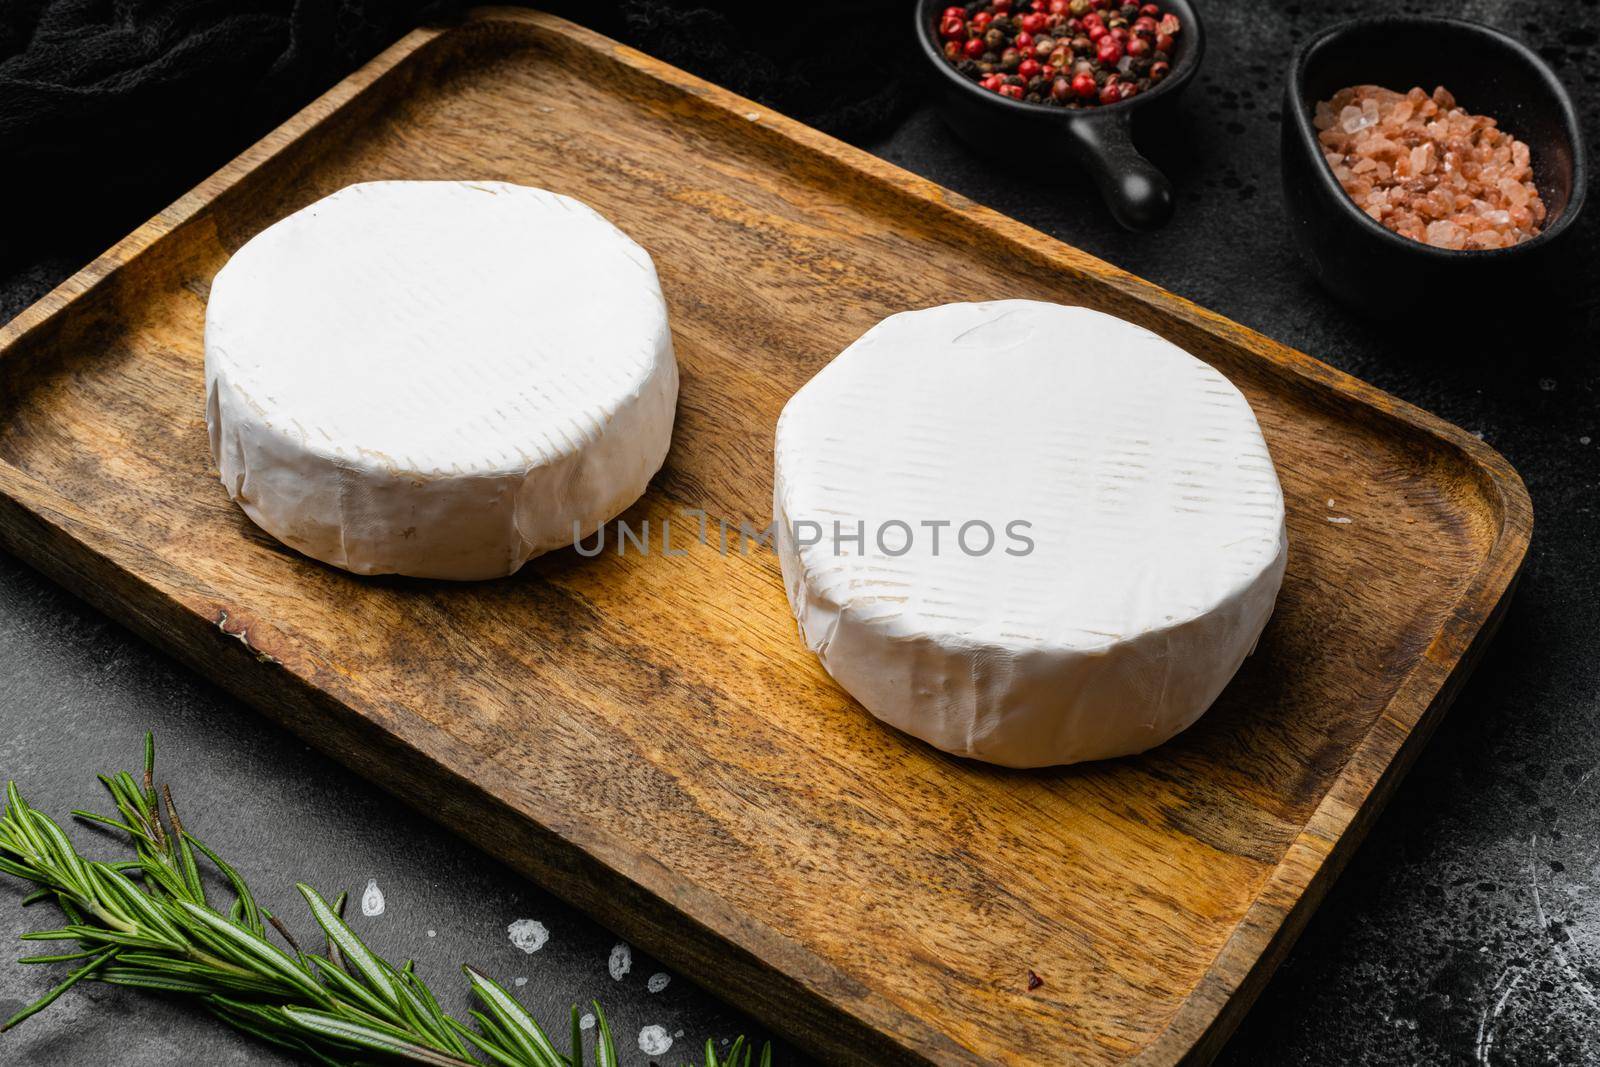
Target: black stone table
(1467, 928)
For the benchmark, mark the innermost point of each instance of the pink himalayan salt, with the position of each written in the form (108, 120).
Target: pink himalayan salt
(1427, 170)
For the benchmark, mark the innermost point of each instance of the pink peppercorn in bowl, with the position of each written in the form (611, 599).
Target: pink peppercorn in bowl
(1349, 226)
(1096, 137)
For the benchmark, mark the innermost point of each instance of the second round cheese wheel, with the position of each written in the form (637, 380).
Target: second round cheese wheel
(1026, 533)
(438, 379)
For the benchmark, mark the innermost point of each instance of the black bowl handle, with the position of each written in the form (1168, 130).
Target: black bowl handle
(1139, 195)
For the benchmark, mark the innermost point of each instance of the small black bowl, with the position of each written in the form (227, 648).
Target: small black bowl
(1099, 139)
(1358, 260)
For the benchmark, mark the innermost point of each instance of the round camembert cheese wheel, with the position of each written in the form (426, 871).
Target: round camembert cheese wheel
(439, 379)
(1026, 533)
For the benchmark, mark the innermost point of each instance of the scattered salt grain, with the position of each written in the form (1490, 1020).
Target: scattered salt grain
(587, 1021)
(433, 933)
(372, 899)
(658, 982)
(621, 961)
(528, 934)
(654, 1041)
(1339, 520)
(1547, 384)
(519, 982)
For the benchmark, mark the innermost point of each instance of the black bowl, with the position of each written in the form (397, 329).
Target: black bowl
(1099, 139)
(1375, 269)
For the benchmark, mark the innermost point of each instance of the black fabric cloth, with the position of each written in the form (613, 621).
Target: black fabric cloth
(839, 65)
(107, 106)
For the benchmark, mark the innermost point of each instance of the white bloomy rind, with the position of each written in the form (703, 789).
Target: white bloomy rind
(1153, 508)
(438, 379)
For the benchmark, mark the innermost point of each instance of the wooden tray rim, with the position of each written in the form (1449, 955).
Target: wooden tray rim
(1311, 862)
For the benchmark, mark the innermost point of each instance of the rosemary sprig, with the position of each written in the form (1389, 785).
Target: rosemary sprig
(147, 923)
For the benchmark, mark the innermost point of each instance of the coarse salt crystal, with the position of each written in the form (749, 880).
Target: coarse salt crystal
(1426, 169)
(1443, 234)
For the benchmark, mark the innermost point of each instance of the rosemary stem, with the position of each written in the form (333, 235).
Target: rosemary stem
(146, 923)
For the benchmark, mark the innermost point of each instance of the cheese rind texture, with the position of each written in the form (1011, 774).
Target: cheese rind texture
(438, 379)
(1136, 530)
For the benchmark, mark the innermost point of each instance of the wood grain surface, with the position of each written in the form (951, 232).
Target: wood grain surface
(646, 735)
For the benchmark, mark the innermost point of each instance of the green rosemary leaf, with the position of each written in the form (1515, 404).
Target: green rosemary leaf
(576, 1055)
(350, 946)
(70, 909)
(268, 1024)
(267, 956)
(516, 1022)
(605, 1048)
(266, 1015)
(347, 987)
(162, 961)
(428, 1004)
(739, 1054)
(150, 767)
(129, 788)
(129, 800)
(49, 998)
(138, 907)
(419, 1020)
(246, 1024)
(17, 812)
(105, 820)
(215, 980)
(205, 943)
(141, 979)
(418, 986)
(250, 909)
(274, 1023)
(86, 933)
(185, 855)
(64, 957)
(191, 871)
(159, 877)
(63, 854)
(334, 955)
(498, 1034)
(367, 1036)
(119, 801)
(17, 870)
(498, 1050)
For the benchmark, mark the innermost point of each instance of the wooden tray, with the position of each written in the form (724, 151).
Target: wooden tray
(647, 736)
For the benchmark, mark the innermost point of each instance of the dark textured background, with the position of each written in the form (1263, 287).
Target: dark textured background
(1466, 930)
